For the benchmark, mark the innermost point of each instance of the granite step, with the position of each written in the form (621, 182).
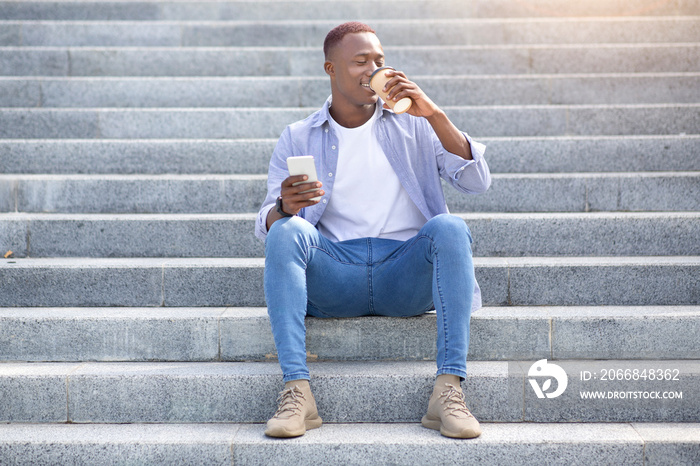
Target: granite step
(292, 33)
(360, 444)
(346, 392)
(528, 192)
(217, 282)
(563, 89)
(554, 154)
(480, 121)
(231, 235)
(243, 334)
(308, 61)
(337, 10)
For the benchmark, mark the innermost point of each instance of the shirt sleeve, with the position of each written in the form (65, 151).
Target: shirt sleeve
(277, 173)
(468, 176)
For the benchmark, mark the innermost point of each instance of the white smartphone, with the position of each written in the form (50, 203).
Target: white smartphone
(303, 165)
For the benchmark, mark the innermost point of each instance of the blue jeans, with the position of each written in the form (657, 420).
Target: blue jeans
(307, 274)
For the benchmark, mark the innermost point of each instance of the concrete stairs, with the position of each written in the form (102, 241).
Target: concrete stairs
(134, 142)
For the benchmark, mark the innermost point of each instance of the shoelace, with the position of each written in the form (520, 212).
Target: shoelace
(455, 401)
(289, 400)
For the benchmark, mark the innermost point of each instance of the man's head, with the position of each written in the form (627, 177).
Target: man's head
(353, 52)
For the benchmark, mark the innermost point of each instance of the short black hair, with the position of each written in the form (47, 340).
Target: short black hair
(337, 33)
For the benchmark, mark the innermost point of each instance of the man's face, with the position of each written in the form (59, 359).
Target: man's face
(353, 61)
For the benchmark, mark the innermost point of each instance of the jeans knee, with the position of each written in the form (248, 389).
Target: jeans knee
(448, 229)
(287, 232)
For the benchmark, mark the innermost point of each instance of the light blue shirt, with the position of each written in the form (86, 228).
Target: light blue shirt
(411, 145)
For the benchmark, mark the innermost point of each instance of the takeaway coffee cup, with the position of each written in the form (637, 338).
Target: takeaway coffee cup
(377, 82)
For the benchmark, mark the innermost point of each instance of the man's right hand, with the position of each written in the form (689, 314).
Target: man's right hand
(293, 197)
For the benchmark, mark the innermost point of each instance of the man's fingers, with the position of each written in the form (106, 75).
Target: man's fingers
(293, 204)
(290, 181)
(300, 188)
(296, 194)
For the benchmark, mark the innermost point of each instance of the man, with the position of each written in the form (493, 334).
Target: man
(379, 239)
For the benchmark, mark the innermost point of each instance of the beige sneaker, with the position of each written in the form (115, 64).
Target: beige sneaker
(296, 412)
(448, 413)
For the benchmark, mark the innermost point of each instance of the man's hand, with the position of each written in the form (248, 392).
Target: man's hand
(452, 139)
(293, 197)
(399, 86)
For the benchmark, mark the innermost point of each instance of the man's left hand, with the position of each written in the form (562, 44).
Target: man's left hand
(400, 86)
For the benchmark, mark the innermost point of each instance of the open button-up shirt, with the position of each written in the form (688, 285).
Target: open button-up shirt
(410, 144)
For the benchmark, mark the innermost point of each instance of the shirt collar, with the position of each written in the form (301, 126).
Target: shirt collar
(324, 116)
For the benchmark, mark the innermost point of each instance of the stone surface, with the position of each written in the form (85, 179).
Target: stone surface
(127, 444)
(80, 282)
(13, 236)
(284, 10)
(648, 332)
(243, 334)
(232, 235)
(141, 193)
(611, 234)
(270, 122)
(616, 390)
(258, 61)
(598, 281)
(403, 444)
(353, 392)
(309, 92)
(34, 392)
(213, 282)
(145, 235)
(391, 32)
(173, 392)
(342, 443)
(91, 156)
(666, 444)
(109, 334)
(238, 282)
(674, 191)
(21, 61)
(30, 123)
(251, 156)
(592, 154)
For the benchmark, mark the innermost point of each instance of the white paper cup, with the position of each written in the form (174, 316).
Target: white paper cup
(377, 82)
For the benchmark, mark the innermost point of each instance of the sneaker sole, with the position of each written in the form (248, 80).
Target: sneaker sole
(437, 425)
(311, 423)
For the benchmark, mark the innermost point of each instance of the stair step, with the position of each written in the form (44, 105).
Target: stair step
(359, 444)
(178, 282)
(366, 444)
(232, 235)
(308, 33)
(251, 156)
(566, 192)
(203, 156)
(307, 61)
(636, 88)
(243, 334)
(337, 10)
(481, 121)
(99, 392)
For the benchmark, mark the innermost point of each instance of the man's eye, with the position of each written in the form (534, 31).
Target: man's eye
(361, 62)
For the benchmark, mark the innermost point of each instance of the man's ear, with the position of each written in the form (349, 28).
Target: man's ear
(329, 68)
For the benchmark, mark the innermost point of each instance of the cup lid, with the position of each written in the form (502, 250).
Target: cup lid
(380, 69)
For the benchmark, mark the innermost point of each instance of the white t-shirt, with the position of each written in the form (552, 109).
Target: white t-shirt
(367, 199)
